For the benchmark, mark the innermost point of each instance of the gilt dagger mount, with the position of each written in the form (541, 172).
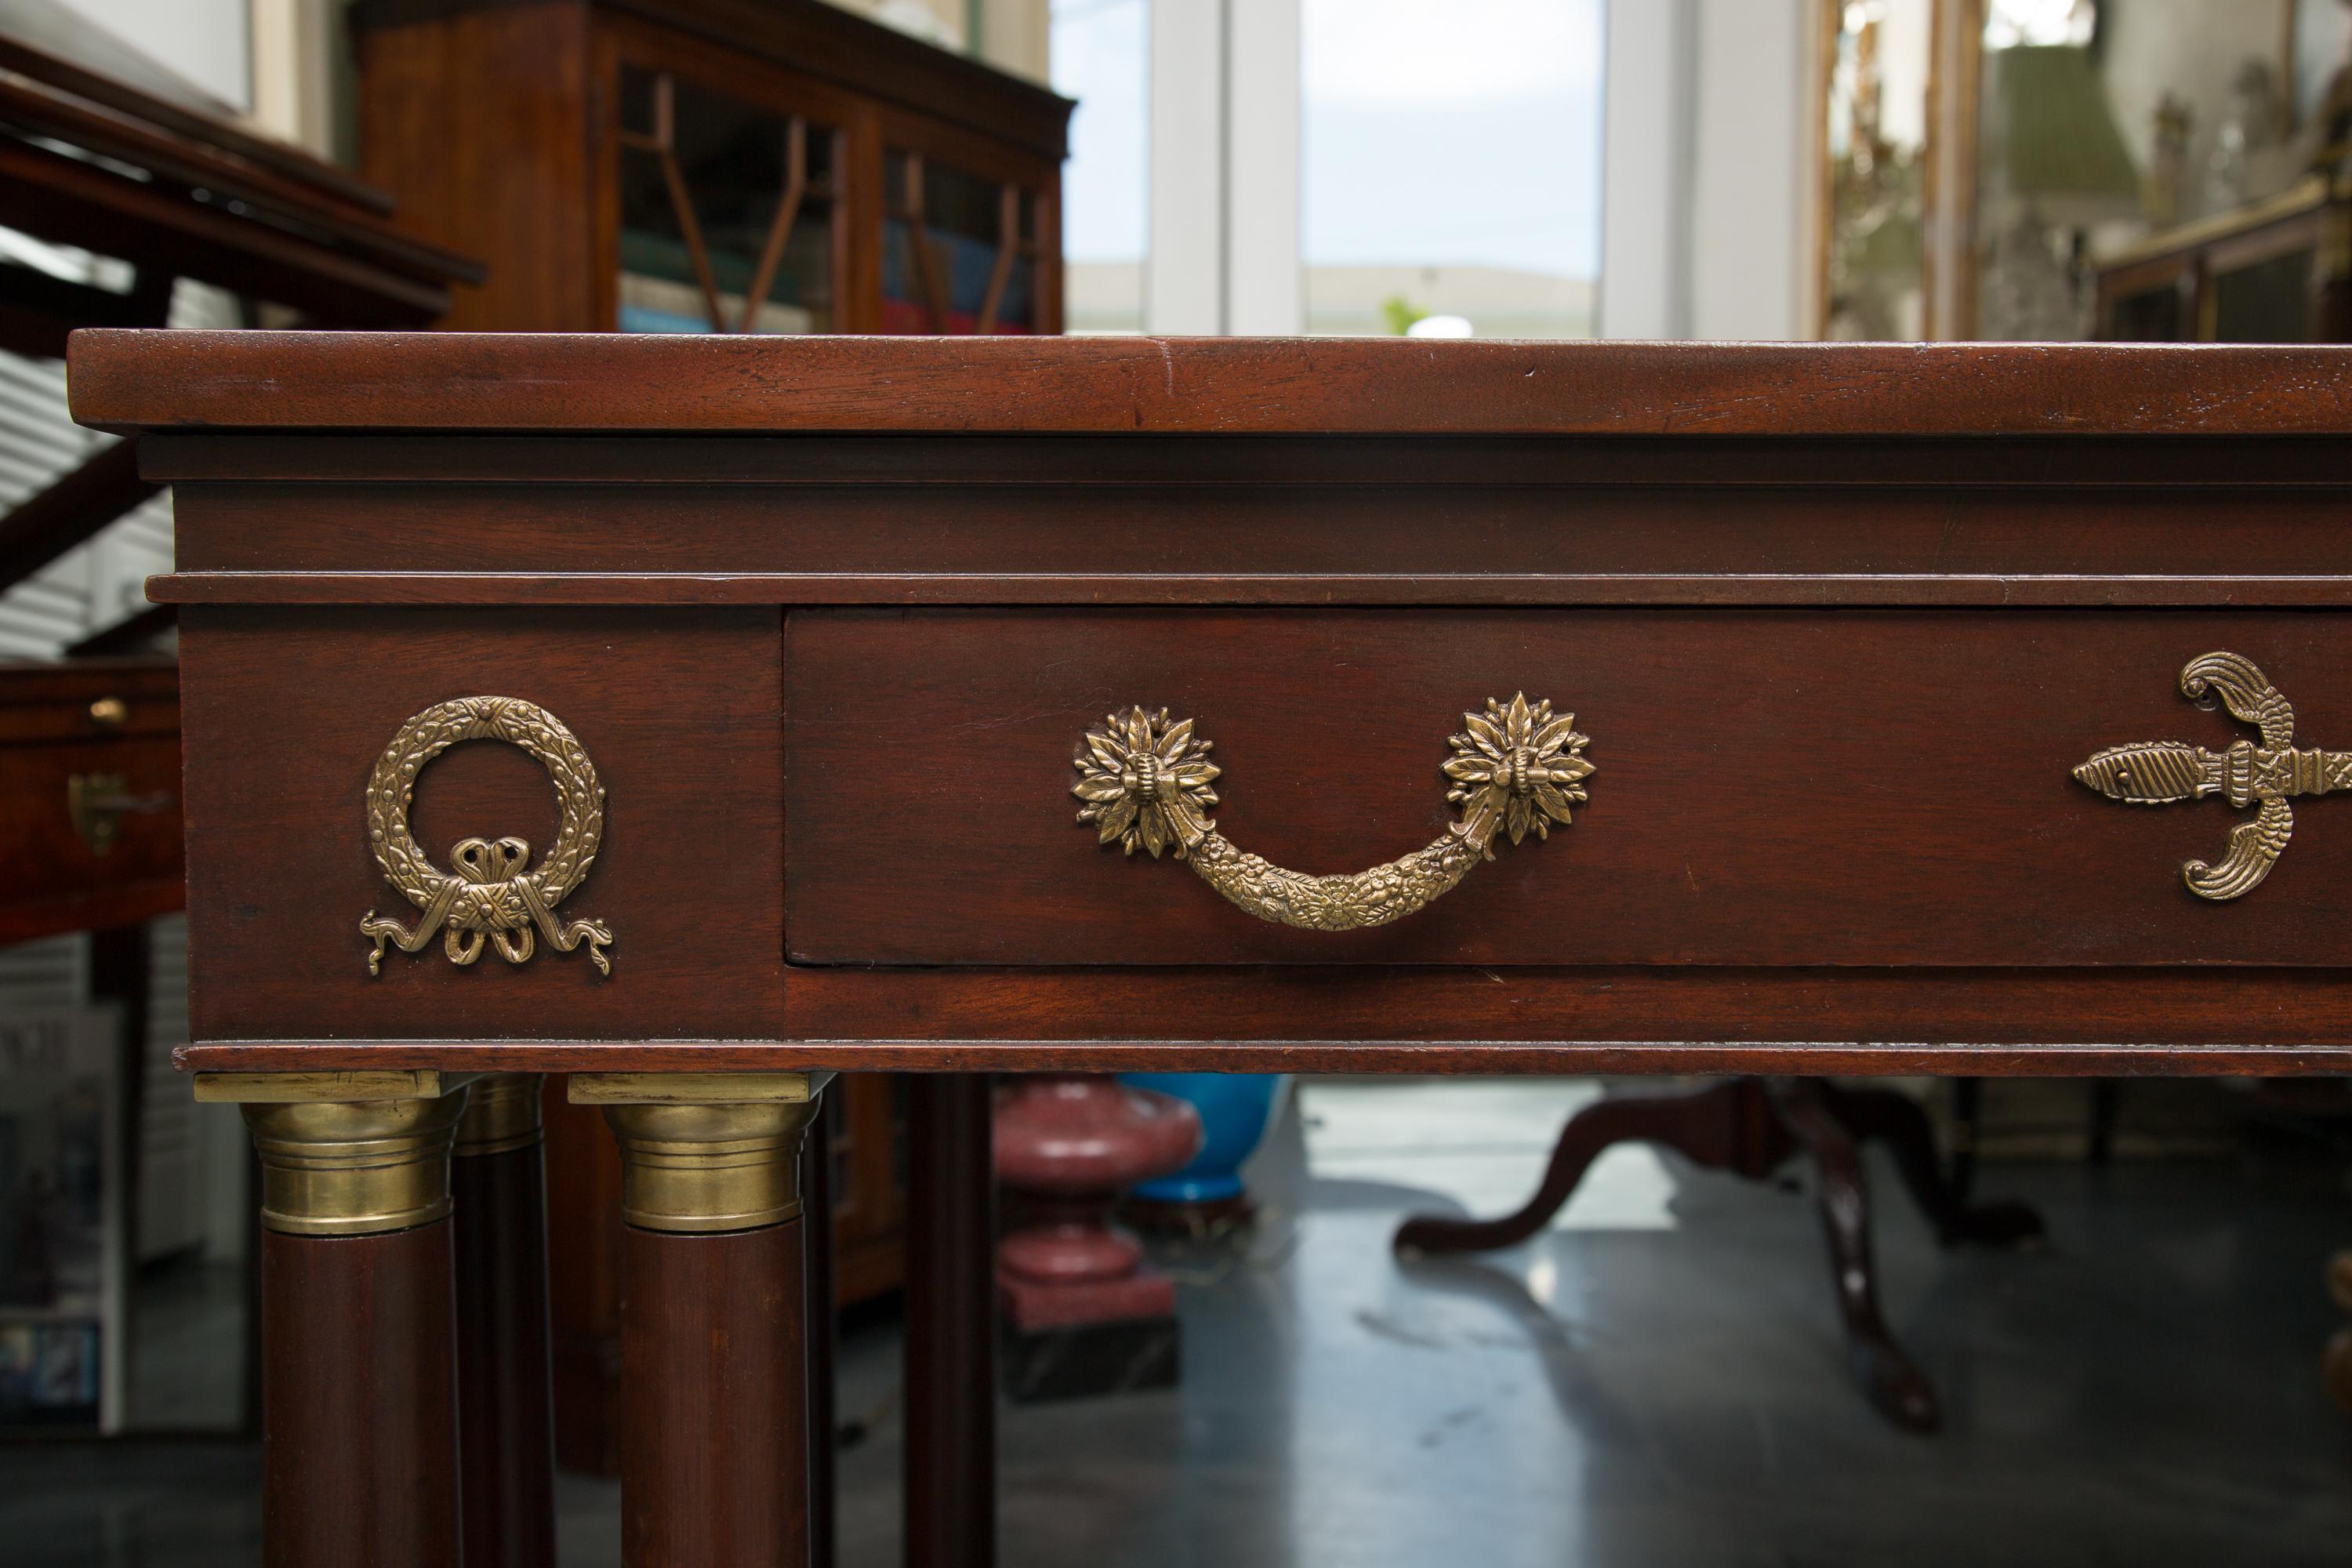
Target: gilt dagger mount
(2265, 776)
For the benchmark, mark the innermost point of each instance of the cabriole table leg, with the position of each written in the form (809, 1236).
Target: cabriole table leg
(506, 1428)
(714, 1458)
(358, 1396)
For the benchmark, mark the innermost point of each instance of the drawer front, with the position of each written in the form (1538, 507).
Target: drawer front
(1839, 788)
(85, 824)
(289, 715)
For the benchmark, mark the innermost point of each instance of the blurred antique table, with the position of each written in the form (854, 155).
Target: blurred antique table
(101, 149)
(829, 678)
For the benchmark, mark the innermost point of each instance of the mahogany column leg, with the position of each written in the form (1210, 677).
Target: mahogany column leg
(816, 1233)
(1714, 1126)
(1888, 1377)
(359, 1397)
(951, 1457)
(506, 1425)
(714, 1407)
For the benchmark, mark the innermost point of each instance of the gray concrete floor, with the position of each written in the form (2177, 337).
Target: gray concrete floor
(1658, 1381)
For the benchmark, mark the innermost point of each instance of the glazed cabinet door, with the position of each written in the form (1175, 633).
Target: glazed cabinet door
(729, 209)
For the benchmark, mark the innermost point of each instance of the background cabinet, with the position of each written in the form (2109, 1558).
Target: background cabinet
(714, 165)
(2274, 272)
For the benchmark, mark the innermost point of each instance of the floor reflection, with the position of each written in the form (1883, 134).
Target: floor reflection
(1658, 1380)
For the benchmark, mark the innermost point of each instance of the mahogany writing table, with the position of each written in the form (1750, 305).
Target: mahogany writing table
(696, 716)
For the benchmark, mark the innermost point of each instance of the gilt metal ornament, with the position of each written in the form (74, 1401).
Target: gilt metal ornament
(492, 897)
(1516, 769)
(2265, 776)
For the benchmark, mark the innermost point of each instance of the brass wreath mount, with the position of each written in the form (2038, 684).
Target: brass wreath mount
(1516, 768)
(492, 896)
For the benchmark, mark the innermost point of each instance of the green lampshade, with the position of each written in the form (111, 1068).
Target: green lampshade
(2058, 137)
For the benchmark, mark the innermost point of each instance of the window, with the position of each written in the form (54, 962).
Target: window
(1101, 53)
(1452, 161)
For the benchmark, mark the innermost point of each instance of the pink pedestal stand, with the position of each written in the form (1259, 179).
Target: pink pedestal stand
(1084, 1313)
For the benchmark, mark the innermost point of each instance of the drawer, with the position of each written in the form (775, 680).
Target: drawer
(1772, 787)
(90, 795)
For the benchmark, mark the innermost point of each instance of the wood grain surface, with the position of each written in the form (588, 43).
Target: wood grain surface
(1866, 789)
(286, 714)
(714, 1461)
(437, 100)
(132, 380)
(1332, 1018)
(1543, 535)
(1853, 1058)
(2214, 460)
(359, 1401)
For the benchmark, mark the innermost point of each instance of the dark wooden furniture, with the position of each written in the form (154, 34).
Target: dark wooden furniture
(831, 619)
(100, 151)
(1754, 1127)
(90, 795)
(714, 165)
(2279, 271)
(90, 832)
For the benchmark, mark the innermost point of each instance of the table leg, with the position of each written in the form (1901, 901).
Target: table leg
(505, 1416)
(817, 1222)
(950, 1461)
(358, 1399)
(714, 1462)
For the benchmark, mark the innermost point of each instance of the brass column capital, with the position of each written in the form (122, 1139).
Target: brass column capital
(353, 1167)
(709, 1167)
(502, 1113)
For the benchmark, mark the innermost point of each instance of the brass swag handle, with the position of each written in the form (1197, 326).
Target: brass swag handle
(1145, 781)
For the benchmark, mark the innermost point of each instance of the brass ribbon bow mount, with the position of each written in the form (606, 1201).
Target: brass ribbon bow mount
(491, 897)
(1516, 768)
(2159, 772)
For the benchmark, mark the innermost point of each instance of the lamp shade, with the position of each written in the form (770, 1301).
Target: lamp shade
(2058, 137)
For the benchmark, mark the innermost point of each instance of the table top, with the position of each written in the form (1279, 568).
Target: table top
(132, 380)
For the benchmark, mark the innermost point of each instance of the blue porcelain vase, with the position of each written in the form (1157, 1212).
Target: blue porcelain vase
(1234, 1110)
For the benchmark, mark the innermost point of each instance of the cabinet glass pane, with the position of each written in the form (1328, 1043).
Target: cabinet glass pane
(727, 212)
(958, 253)
(2150, 316)
(2267, 302)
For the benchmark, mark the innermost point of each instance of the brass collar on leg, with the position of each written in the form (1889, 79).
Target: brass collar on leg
(709, 1167)
(502, 1113)
(353, 1168)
